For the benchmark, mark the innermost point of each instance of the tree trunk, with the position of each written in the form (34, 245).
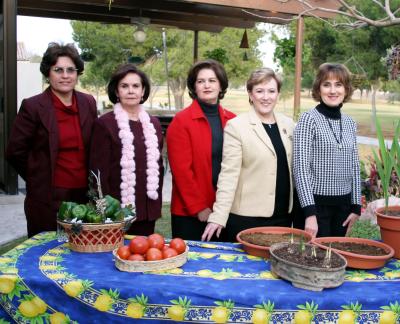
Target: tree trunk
(153, 92)
(373, 107)
(178, 89)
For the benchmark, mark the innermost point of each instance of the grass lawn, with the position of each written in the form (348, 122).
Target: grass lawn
(8, 246)
(163, 224)
(360, 109)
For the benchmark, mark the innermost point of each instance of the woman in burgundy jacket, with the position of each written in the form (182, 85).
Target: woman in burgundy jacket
(50, 138)
(194, 140)
(126, 146)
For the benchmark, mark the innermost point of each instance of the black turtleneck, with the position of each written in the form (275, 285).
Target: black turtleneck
(330, 112)
(212, 115)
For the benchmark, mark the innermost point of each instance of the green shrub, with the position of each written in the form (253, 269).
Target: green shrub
(363, 228)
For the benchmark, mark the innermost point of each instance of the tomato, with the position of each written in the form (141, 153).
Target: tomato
(136, 257)
(169, 253)
(139, 245)
(178, 245)
(156, 241)
(153, 254)
(124, 252)
(166, 246)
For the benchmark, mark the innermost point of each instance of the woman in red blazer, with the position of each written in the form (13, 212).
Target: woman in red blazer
(126, 146)
(49, 141)
(194, 142)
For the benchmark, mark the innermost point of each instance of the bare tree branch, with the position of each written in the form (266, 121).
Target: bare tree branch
(353, 16)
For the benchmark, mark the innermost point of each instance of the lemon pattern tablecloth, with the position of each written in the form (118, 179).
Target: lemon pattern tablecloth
(43, 281)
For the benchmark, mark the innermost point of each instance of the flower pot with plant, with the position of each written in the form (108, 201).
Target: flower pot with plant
(387, 162)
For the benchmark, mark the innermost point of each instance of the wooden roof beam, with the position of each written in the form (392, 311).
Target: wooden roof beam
(178, 7)
(120, 13)
(294, 7)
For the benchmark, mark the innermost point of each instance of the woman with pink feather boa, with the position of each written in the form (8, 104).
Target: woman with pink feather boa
(126, 149)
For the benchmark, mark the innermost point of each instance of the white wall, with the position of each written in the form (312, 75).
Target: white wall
(29, 80)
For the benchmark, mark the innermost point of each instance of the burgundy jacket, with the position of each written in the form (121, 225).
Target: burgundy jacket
(105, 155)
(33, 144)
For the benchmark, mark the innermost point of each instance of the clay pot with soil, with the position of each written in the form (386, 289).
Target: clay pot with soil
(389, 221)
(307, 266)
(257, 240)
(360, 253)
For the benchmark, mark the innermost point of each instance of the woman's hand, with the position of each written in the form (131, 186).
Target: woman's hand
(203, 215)
(211, 228)
(311, 225)
(350, 220)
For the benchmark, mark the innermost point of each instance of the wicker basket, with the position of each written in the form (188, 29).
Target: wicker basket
(144, 266)
(94, 237)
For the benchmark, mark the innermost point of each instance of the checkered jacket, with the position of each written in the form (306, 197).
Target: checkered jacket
(320, 167)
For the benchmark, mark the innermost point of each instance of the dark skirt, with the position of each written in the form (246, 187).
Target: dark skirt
(41, 217)
(189, 228)
(331, 218)
(237, 223)
(142, 228)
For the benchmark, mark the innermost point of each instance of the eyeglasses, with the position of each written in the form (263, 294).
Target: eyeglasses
(69, 70)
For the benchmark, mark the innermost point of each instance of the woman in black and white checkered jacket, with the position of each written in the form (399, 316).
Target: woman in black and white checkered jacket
(326, 164)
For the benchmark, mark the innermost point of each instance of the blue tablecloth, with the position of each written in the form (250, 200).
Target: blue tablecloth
(214, 274)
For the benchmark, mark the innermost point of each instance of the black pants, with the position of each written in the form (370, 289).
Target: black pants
(331, 218)
(237, 223)
(189, 228)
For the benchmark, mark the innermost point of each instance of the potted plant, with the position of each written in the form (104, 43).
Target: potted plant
(307, 266)
(387, 163)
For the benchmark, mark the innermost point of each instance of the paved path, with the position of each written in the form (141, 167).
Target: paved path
(371, 141)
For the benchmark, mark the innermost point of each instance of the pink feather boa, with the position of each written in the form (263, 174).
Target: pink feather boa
(128, 177)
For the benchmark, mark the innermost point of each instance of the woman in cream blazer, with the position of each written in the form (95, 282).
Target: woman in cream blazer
(255, 186)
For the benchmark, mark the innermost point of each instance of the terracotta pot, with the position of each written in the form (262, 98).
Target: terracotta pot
(263, 251)
(390, 228)
(354, 260)
(307, 277)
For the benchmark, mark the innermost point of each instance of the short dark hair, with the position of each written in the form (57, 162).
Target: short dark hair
(337, 70)
(219, 71)
(54, 51)
(119, 74)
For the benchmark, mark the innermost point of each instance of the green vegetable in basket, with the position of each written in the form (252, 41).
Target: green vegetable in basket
(65, 210)
(112, 206)
(79, 212)
(93, 217)
(122, 213)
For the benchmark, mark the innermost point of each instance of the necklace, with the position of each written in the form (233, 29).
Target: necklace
(339, 141)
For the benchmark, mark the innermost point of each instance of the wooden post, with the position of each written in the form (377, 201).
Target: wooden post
(297, 75)
(196, 46)
(9, 179)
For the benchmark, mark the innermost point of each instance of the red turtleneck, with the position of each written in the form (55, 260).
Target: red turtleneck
(70, 170)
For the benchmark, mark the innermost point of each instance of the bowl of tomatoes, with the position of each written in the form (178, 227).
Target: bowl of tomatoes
(151, 253)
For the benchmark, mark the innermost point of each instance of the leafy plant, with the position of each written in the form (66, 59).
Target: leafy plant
(364, 228)
(387, 160)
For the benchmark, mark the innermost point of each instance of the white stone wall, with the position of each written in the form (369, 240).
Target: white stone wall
(29, 80)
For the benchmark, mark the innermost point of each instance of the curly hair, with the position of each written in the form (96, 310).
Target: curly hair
(54, 51)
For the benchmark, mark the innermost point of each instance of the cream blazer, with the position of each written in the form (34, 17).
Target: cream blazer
(247, 181)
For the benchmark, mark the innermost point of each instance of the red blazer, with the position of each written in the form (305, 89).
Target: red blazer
(189, 154)
(105, 155)
(33, 145)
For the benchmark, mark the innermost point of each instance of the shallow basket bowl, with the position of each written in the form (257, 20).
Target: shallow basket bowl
(87, 237)
(263, 251)
(145, 266)
(354, 260)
